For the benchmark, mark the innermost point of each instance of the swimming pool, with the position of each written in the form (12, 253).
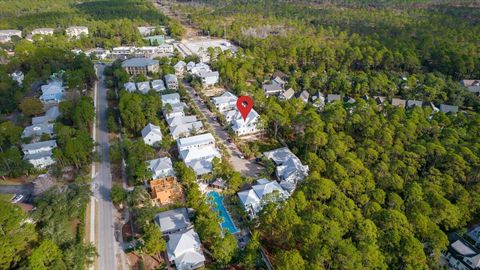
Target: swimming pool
(227, 222)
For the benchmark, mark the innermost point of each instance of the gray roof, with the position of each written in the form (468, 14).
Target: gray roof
(272, 88)
(33, 146)
(170, 97)
(173, 220)
(288, 94)
(399, 102)
(448, 108)
(170, 78)
(304, 95)
(413, 103)
(50, 116)
(38, 155)
(139, 62)
(151, 128)
(161, 167)
(37, 130)
(205, 74)
(333, 97)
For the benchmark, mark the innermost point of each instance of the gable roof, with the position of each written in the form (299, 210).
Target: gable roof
(150, 128)
(399, 102)
(448, 108)
(139, 62)
(37, 130)
(304, 96)
(206, 138)
(159, 165)
(158, 85)
(333, 97)
(272, 88)
(173, 220)
(50, 115)
(288, 94)
(185, 249)
(413, 103)
(38, 145)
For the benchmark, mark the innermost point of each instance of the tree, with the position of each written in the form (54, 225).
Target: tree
(118, 194)
(223, 249)
(289, 260)
(31, 106)
(16, 235)
(153, 240)
(46, 256)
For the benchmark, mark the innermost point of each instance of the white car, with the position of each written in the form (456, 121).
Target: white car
(17, 199)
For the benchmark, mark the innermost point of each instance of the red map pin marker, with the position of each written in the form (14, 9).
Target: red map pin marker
(244, 105)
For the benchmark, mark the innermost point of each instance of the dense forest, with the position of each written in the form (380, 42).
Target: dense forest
(386, 184)
(417, 53)
(110, 22)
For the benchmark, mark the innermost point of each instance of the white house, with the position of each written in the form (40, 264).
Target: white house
(42, 31)
(196, 69)
(50, 116)
(143, 87)
(171, 81)
(185, 129)
(180, 67)
(38, 130)
(198, 152)
(287, 94)
(39, 154)
(151, 134)
(246, 126)
(121, 51)
(209, 78)
(304, 96)
(52, 92)
(99, 53)
(184, 249)
(290, 170)
(170, 99)
(76, 31)
(173, 221)
(461, 255)
(225, 102)
(6, 35)
(161, 167)
(130, 87)
(178, 120)
(259, 195)
(165, 49)
(18, 77)
(158, 85)
(176, 109)
(272, 89)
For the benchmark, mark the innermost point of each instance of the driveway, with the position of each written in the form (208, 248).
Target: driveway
(244, 166)
(25, 189)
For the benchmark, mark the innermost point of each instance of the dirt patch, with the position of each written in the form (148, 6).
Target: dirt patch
(214, 91)
(127, 232)
(144, 262)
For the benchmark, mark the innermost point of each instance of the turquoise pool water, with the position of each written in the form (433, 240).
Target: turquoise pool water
(227, 222)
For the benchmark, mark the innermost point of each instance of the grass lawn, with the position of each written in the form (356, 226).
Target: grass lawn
(6, 197)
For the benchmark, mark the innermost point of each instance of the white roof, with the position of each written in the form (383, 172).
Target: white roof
(53, 87)
(248, 197)
(143, 87)
(267, 188)
(185, 249)
(158, 85)
(194, 140)
(178, 120)
(161, 167)
(203, 153)
(37, 130)
(185, 128)
(226, 97)
(251, 118)
(179, 64)
(463, 249)
(130, 87)
(170, 98)
(150, 128)
(205, 74)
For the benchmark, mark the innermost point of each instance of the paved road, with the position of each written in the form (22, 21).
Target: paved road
(244, 166)
(105, 240)
(25, 189)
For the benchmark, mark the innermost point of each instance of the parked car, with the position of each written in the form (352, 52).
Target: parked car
(17, 198)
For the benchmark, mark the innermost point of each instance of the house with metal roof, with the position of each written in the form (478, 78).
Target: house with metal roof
(264, 192)
(448, 108)
(412, 103)
(173, 221)
(398, 102)
(140, 65)
(170, 99)
(304, 96)
(209, 78)
(143, 87)
(130, 87)
(287, 94)
(272, 89)
(158, 85)
(185, 129)
(333, 97)
(171, 81)
(225, 102)
(198, 152)
(50, 116)
(52, 92)
(37, 130)
(151, 134)
(180, 67)
(39, 154)
(185, 250)
(160, 167)
(246, 126)
(289, 169)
